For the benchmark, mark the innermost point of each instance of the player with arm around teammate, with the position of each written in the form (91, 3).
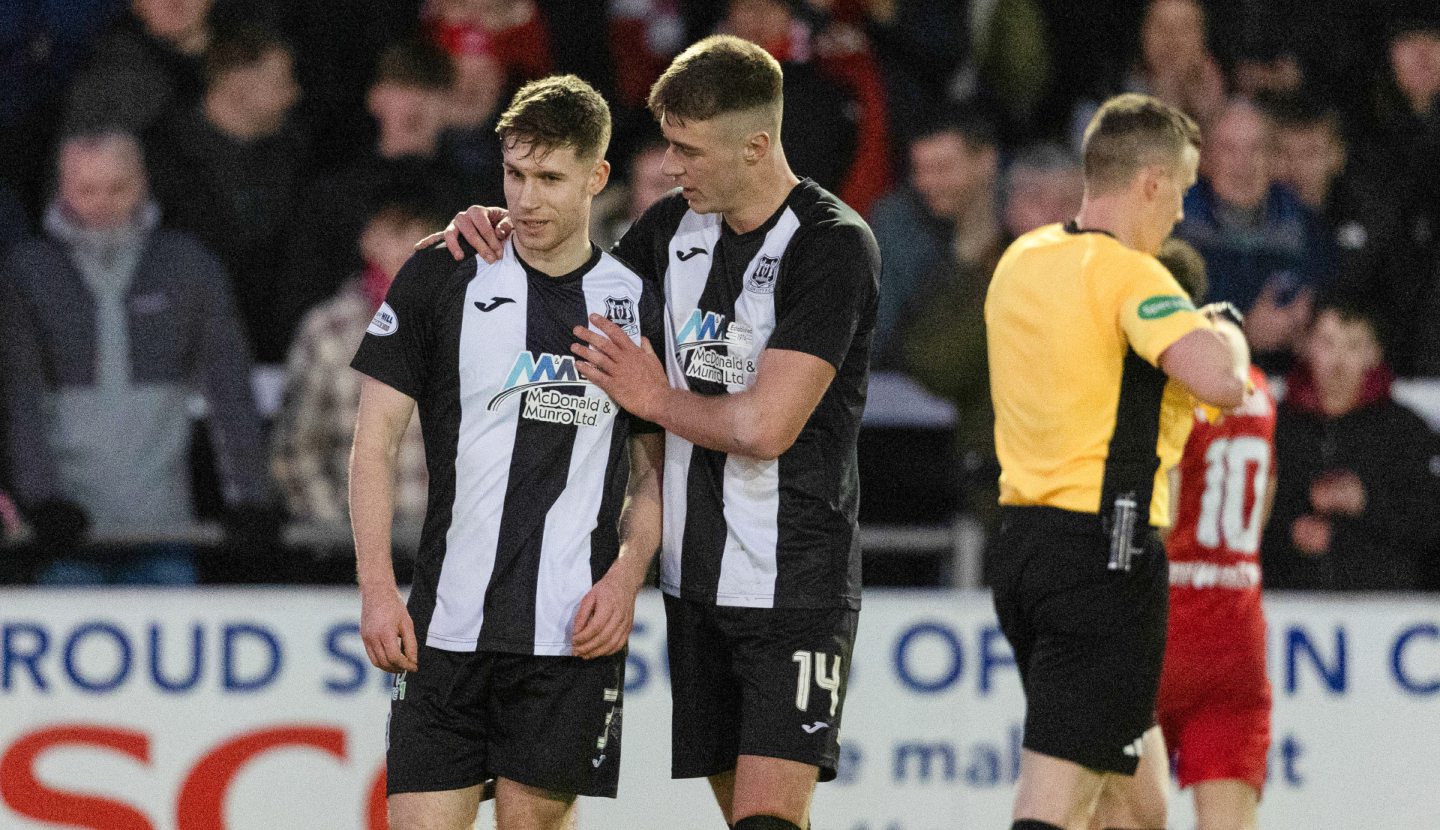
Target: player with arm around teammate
(534, 544)
(770, 285)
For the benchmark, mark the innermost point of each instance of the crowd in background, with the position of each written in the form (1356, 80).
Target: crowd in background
(189, 188)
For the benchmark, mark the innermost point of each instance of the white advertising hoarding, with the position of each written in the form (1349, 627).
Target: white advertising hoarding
(256, 708)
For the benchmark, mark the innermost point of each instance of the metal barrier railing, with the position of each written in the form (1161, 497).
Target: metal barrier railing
(958, 543)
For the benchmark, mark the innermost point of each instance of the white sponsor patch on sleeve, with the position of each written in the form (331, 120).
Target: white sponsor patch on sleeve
(384, 323)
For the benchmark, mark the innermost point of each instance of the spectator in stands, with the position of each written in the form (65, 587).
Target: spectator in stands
(942, 330)
(947, 213)
(1309, 151)
(1400, 159)
(831, 120)
(921, 48)
(230, 171)
(1365, 223)
(617, 208)
(407, 101)
(310, 453)
(42, 46)
(1010, 68)
(1267, 253)
(480, 34)
(1359, 474)
(644, 36)
(1409, 105)
(942, 346)
(1175, 64)
(844, 54)
(480, 81)
(469, 144)
(1043, 185)
(149, 65)
(1265, 65)
(110, 326)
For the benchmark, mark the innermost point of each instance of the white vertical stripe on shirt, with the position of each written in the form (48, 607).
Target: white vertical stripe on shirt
(684, 283)
(564, 577)
(752, 487)
(488, 346)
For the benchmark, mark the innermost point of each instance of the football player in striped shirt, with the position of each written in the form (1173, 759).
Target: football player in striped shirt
(534, 546)
(770, 287)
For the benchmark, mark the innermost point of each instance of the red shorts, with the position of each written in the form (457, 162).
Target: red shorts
(1214, 708)
(1214, 701)
(1212, 743)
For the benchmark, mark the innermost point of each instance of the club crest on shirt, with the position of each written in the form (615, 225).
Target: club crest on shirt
(762, 279)
(621, 312)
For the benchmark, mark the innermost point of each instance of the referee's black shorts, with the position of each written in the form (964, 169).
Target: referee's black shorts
(1088, 641)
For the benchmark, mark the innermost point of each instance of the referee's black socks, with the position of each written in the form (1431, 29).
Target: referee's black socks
(1033, 824)
(765, 823)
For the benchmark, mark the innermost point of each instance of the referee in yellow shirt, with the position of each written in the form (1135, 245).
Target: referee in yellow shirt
(1084, 327)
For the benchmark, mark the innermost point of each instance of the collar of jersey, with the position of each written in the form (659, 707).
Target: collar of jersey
(536, 274)
(764, 227)
(1073, 227)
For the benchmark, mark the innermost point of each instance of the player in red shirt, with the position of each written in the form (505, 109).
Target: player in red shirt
(1214, 702)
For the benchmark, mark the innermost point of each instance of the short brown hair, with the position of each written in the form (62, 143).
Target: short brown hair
(558, 111)
(717, 75)
(1132, 131)
(1187, 266)
(415, 63)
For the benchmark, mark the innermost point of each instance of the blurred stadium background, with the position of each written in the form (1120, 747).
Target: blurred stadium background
(178, 644)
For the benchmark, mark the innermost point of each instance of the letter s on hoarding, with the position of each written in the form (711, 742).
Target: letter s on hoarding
(23, 792)
(201, 804)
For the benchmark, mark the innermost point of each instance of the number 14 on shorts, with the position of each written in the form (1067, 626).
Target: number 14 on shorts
(826, 675)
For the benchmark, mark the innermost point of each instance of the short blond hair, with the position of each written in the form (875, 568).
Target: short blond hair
(1133, 131)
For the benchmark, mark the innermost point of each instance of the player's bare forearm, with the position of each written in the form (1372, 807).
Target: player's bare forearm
(607, 611)
(760, 422)
(372, 503)
(385, 626)
(731, 424)
(379, 428)
(1204, 361)
(640, 518)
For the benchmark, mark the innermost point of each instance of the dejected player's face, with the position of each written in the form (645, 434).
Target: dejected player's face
(548, 191)
(705, 159)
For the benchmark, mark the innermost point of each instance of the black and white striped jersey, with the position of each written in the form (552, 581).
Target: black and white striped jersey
(526, 458)
(740, 531)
